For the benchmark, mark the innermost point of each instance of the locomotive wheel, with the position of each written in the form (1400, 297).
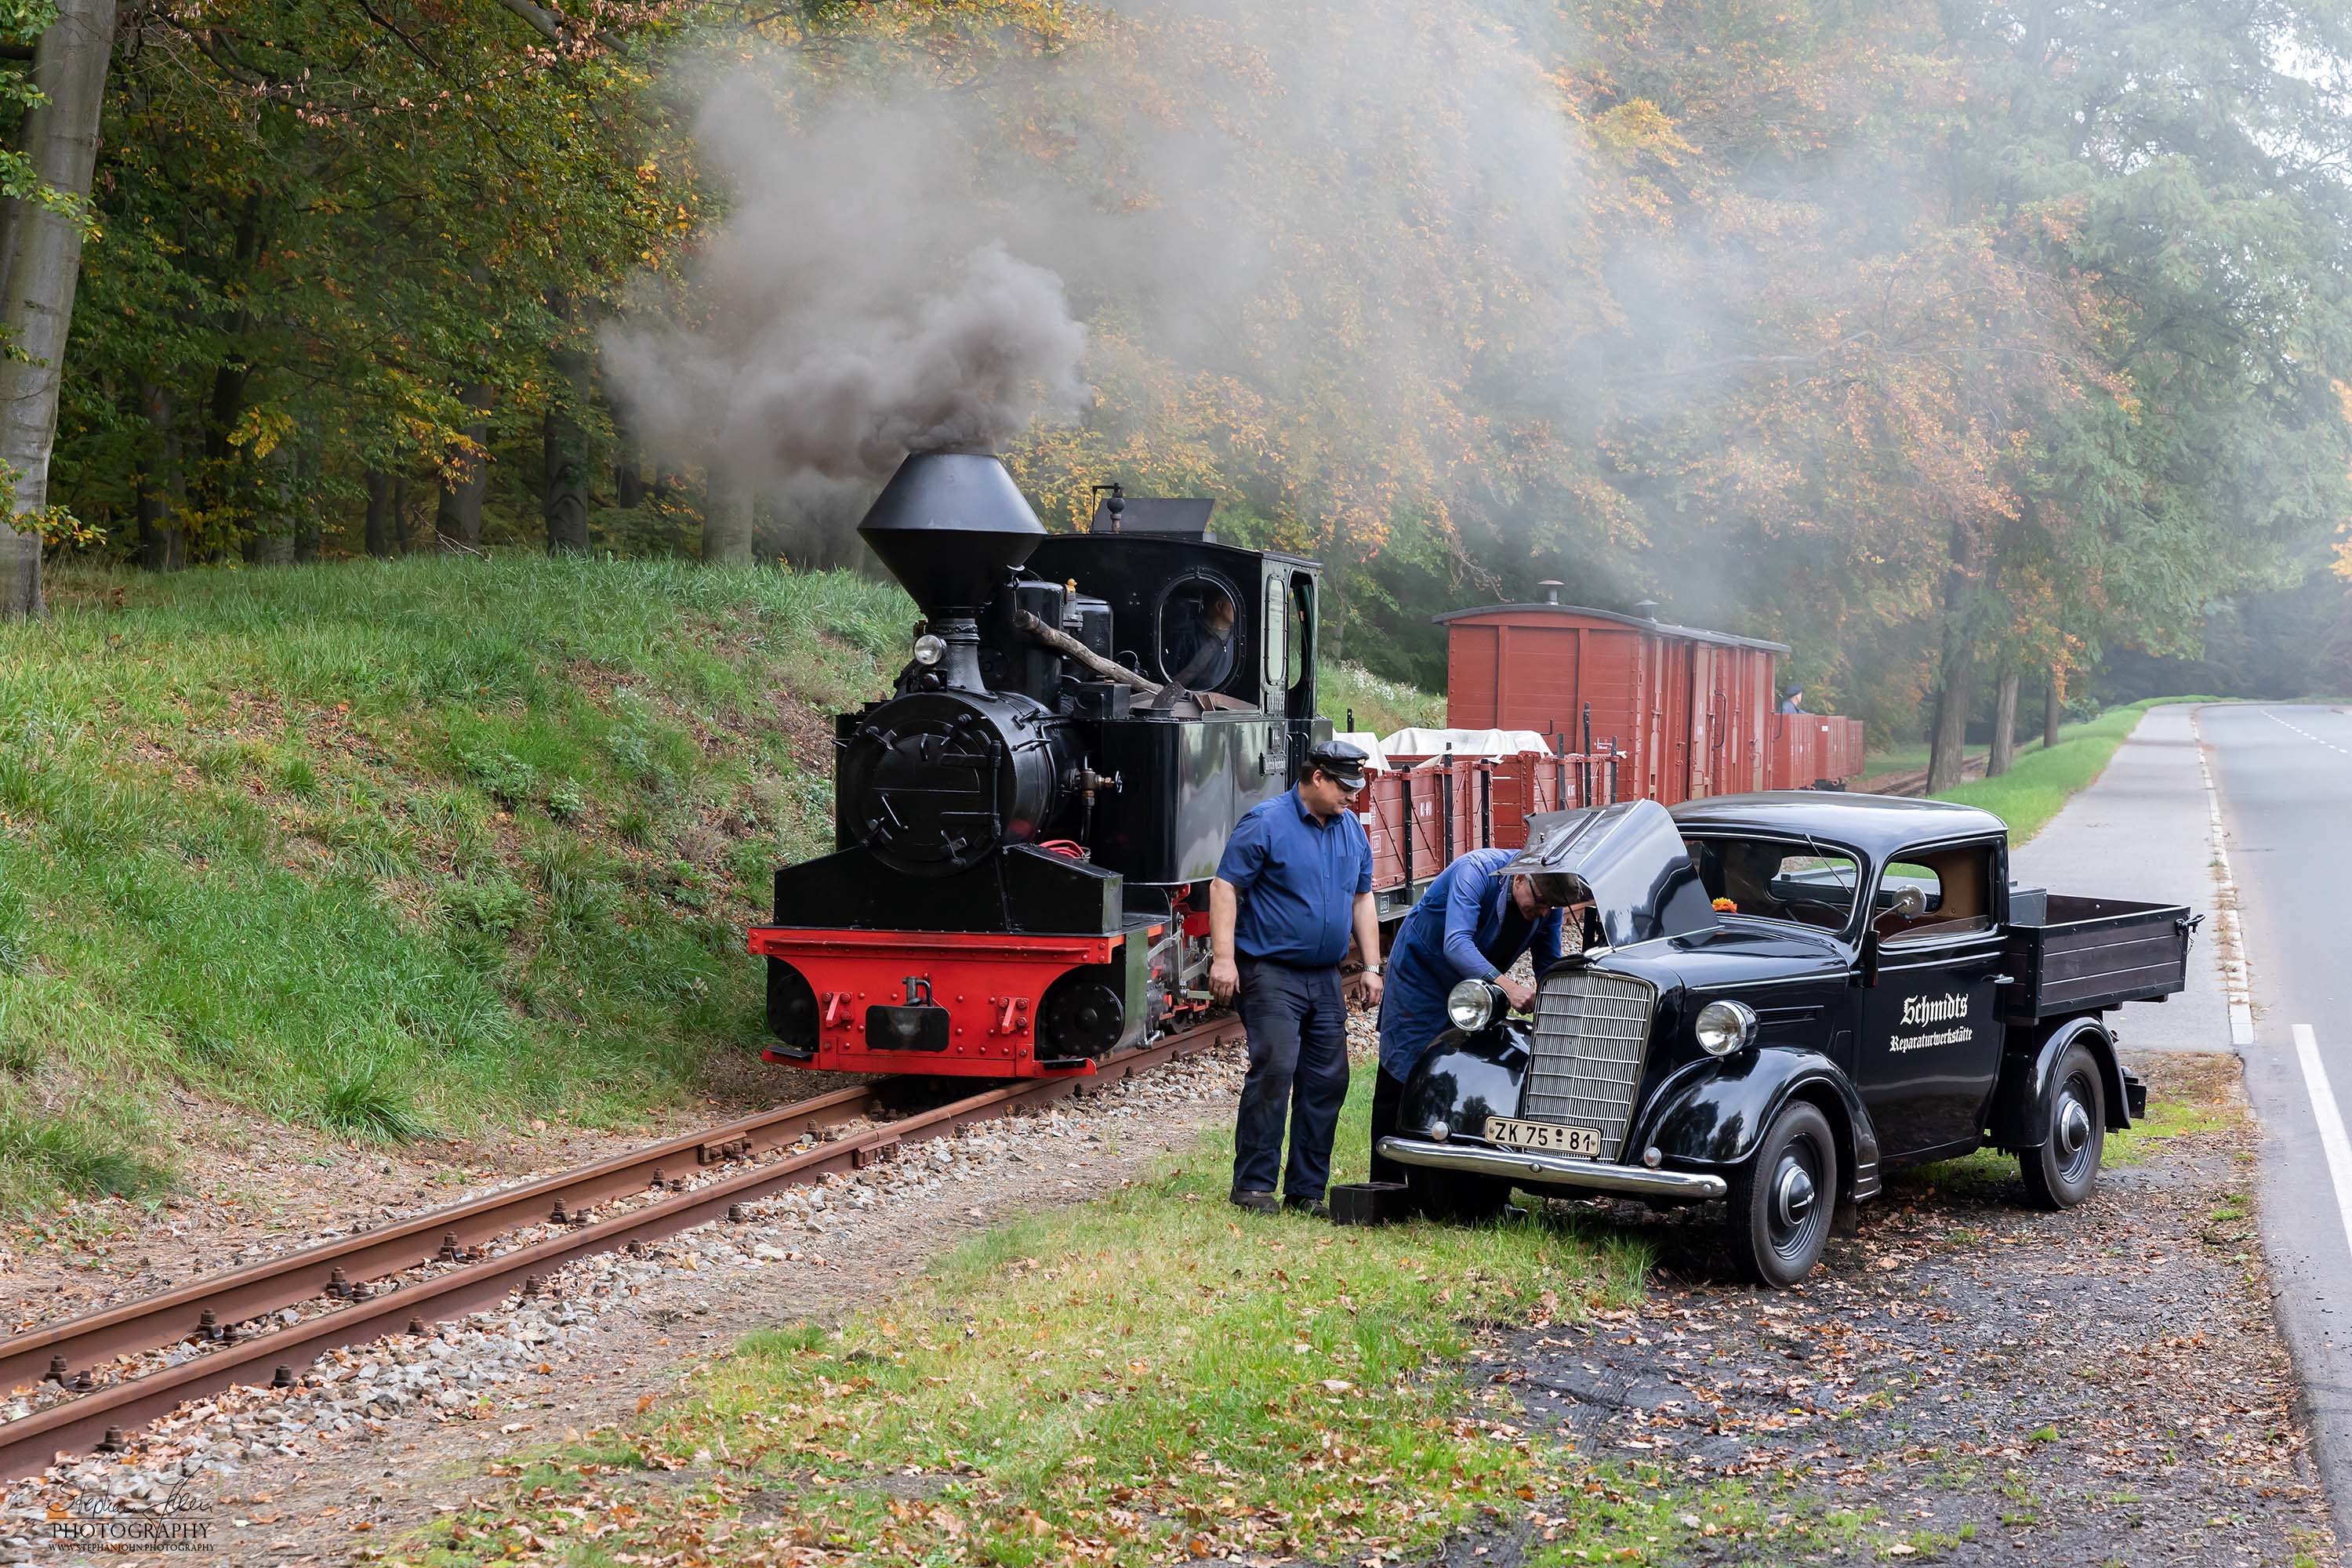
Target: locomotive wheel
(1456, 1196)
(1781, 1200)
(2063, 1171)
(1081, 1016)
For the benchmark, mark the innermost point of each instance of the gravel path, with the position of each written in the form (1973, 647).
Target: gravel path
(375, 1442)
(1982, 1383)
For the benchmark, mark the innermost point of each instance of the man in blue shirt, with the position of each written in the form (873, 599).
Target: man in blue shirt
(1296, 876)
(1470, 925)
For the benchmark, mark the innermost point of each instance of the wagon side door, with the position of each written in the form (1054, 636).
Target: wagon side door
(1930, 1038)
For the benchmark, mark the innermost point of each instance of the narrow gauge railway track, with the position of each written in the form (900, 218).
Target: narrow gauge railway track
(349, 1267)
(1915, 782)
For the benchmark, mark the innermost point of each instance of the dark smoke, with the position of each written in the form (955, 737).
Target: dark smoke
(857, 305)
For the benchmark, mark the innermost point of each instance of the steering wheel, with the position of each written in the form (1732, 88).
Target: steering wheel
(1837, 916)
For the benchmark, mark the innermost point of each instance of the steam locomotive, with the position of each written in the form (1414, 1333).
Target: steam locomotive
(1026, 828)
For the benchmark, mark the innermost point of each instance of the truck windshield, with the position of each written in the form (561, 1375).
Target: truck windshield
(1804, 884)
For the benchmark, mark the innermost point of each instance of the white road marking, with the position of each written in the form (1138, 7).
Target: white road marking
(2229, 936)
(2303, 732)
(2331, 1123)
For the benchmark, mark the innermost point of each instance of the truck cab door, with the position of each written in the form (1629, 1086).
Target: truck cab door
(1927, 1050)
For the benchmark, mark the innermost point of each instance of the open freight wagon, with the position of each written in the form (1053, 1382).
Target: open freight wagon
(1424, 809)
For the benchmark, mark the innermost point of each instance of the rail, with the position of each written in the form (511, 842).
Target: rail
(356, 1269)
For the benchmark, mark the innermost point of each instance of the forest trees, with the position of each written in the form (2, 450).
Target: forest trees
(340, 247)
(1961, 341)
(1954, 343)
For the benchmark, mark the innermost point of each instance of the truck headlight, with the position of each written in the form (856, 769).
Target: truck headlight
(1724, 1028)
(1470, 1005)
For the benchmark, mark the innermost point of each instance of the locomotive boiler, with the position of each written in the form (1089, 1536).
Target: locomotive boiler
(1026, 828)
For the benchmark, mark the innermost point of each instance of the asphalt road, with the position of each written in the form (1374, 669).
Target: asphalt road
(2284, 778)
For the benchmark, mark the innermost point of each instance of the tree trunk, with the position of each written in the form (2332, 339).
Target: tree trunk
(727, 525)
(40, 264)
(458, 518)
(1948, 741)
(563, 499)
(382, 516)
(628, 464)
(1955, 675)
(564, 494)
(2004, 724)
(226, 476)
(302, 515)
(400, 515)
(163, 542)
(2052, 710)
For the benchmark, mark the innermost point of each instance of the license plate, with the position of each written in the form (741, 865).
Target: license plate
(1547, 1137)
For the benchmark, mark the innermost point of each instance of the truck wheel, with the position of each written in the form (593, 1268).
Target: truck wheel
(1781, 1201)
(2065, 1168)
(1457, 1195)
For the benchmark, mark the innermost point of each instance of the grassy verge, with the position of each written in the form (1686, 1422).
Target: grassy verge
(2041, 781)
(2166, 1120)
(1148, 1378)
(1381, 706)
(390, 847)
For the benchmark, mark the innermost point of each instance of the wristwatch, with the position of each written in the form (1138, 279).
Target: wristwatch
(1371, 969)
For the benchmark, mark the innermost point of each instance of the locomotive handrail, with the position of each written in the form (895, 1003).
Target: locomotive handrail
(1068, 647)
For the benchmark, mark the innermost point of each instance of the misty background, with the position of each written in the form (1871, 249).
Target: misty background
(1977, 351)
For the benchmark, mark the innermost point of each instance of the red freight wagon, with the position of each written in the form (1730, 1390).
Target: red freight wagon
(1692, 710)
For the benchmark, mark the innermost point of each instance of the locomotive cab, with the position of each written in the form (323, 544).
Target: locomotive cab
(1024, 830)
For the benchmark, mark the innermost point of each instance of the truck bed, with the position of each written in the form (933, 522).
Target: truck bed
(2090, 953)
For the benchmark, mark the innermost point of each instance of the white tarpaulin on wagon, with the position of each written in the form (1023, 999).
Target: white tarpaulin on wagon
(1369, 743)
(1436, 743)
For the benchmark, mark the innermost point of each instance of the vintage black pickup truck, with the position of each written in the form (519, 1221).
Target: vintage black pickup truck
(1780, 996)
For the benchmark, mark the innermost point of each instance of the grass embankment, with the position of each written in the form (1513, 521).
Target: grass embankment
(392, 848)
(388, 846)
(1381, 706)
(1147, 1378)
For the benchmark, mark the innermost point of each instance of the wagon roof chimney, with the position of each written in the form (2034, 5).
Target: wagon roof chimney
(1647, 609)
(1551, 587)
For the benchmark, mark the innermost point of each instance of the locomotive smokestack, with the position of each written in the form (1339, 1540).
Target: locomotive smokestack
(949, 525)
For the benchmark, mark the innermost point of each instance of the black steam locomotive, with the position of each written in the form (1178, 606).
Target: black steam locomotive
(1026, 829)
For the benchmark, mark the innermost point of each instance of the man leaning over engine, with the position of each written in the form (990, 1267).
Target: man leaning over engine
(1470, 925)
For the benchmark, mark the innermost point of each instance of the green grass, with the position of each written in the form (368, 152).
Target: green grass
(1381, 706)
(1148, 1378)
(396, 847)
(1911, 757)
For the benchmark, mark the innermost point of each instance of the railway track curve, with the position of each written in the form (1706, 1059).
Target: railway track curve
(214, 1316)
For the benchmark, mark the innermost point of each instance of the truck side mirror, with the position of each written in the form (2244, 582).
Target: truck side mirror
(1869, 958)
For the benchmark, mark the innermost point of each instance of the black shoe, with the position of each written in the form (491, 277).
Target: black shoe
(1315, 1207)
(1258, 1202)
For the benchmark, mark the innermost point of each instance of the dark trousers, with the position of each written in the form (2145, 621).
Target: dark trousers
(1297, 1024)
(1388, 1104)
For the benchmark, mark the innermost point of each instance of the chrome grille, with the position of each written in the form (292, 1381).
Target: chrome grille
(1592, 1031)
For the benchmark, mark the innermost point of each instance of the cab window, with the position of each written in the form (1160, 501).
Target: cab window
(1929, 894)
(1804, 884)
(1201, 635)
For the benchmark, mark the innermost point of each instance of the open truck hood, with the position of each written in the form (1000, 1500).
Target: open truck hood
(1629, 860)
